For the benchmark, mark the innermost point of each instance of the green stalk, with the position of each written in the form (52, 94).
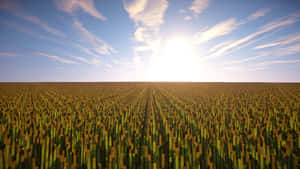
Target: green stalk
(46, 160)
(54, 157)
(176, 162)
(50, 161)
(43, 155)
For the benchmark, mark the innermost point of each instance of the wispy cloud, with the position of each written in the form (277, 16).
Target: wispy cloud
(97, 44)
(90, 57)
(70, 6)
(289, 50)
(282, 41)
(260, 66)
(14, 7)
(264, 29)
(218, 30)
(8, 54)
(295, 14)
(29, 31)
(278, 23)
(256, 15)
(79, 58)
(220, 45)
(54, 57)
(93, 61)
(293, 49)
(259, 13)
(266, 63)
(226, 27)
(23, 29)
(267, 45)
(238, 61)
(85, 50)
(199, 6)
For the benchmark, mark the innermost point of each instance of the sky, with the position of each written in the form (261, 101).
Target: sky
(149, 40)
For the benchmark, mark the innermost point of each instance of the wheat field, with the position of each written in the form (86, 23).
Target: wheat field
(149, 125)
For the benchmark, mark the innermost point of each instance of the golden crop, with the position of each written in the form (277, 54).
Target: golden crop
(149, 125)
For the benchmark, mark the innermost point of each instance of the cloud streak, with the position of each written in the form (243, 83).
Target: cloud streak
(264, 29)
(293, 49)
(70, 6)
(15, 8)
(95, 60)
(289, 50)
(7, 54)
(247, 59)
(218, 30)
(266, 63)
(259, 13)
(54, 57)
(282, 41)
(23, 29)
(97, 44)
(226, 27)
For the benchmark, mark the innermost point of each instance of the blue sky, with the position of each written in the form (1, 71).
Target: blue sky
(150, 40)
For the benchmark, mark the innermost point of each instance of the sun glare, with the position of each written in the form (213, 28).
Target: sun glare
(177, 61)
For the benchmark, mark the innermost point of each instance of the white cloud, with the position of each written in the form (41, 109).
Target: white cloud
(15, 8)
(140, 35)
(54, 57)
(146, 12)
(148, 16)
(187, 18)
(282, 41)
(218, 30)
(134, 7)
(97, 44)
(199, 5)
(70, 6)
(259, 13)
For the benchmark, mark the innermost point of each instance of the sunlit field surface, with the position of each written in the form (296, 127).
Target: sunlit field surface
(149, 125)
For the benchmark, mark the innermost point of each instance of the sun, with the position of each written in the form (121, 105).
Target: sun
(176, 62)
